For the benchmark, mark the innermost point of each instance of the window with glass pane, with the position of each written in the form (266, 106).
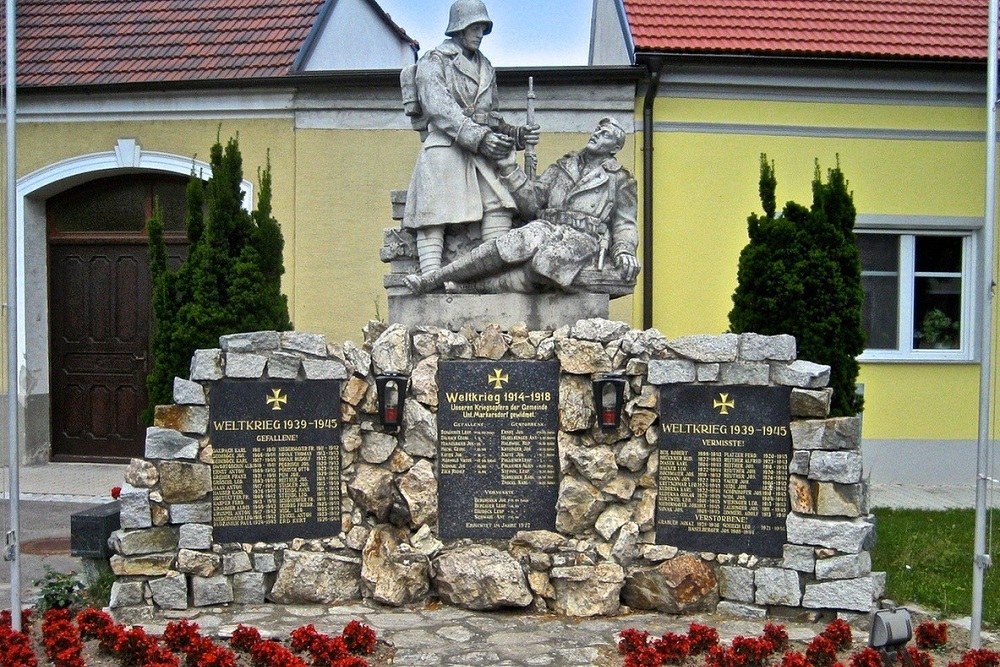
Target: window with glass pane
(913, 291)
(880, 281)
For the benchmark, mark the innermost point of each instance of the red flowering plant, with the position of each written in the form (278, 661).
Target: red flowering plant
(839, 632)
(268, 653)
(920, 658)
(930, 635)
(980, 657)
(91, 621)
(15, 648)
(61, 640)
(642, 656)
(672, 648)
(866, 657)
(360, 638)
(821, 652)
(794, 659)
(180, 635)
(701, 638)
(751, 651)
(777, 636)
(631, 640)
(116, 491)
(244, 637)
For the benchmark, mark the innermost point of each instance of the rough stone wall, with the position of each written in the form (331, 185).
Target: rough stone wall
(601, 559)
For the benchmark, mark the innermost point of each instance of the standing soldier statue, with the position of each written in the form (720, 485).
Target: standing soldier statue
(451, 94)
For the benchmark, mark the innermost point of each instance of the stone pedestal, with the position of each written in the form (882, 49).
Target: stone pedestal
(540, 312)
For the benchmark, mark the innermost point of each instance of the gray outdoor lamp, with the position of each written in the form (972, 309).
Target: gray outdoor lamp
(891, 629)
(609, 391)
(391, 390)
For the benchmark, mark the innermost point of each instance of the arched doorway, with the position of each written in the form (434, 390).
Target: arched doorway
(99, 309)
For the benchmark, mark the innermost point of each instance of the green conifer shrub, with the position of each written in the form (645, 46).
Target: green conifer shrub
(800, 274)
(230, 281)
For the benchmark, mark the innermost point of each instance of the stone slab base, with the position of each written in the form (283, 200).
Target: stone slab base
(538, 311)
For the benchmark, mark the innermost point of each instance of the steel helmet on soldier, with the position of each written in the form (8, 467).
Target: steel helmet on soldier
(466, 12)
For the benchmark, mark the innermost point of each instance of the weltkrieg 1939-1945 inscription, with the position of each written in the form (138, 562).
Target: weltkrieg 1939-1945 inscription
(276, 459)
(723, 468)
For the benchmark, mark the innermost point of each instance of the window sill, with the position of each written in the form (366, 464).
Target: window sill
(917, 357)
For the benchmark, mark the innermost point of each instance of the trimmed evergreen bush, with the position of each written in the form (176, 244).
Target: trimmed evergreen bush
(800, 274)
(231, 280)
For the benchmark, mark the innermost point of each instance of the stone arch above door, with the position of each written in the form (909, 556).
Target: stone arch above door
(33, 190)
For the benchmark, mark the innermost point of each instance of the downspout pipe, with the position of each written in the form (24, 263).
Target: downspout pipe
(654, 66)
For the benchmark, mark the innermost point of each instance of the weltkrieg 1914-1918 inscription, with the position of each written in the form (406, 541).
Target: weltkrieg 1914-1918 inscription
(276, 459)
(497, 451)
(723, 468)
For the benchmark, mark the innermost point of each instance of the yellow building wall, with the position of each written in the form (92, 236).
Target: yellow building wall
(707, 185)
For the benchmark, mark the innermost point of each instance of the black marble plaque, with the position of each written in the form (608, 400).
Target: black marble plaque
(497, 449)
(276, 459)
(723, 468)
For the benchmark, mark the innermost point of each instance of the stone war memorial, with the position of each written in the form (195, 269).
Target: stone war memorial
(499, 442)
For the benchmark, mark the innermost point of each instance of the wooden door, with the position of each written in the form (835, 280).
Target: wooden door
(100, 312)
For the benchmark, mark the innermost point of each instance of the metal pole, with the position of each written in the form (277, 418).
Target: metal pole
(981, 559)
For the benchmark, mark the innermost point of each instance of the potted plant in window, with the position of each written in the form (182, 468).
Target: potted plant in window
(938, 331)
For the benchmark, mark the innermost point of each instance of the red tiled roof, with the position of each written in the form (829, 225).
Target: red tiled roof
(85, 42)
(921, 29)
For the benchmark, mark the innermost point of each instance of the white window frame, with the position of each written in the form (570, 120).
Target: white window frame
(908, 228)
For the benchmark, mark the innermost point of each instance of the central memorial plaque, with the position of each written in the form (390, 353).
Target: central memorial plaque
(497, 449)
(276, 459)
(723, 468)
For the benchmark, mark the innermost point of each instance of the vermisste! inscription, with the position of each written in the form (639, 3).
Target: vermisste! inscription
(723, 468)
(276, 459)
(497, 448)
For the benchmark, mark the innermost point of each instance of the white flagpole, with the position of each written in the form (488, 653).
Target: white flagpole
(13, 553)
(981, 559)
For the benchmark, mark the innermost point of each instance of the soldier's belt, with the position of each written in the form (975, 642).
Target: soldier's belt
(582, 222)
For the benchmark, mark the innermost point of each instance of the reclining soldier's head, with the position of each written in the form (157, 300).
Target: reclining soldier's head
(608, 138)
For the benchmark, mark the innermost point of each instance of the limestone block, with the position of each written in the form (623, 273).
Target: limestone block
(249, 588)
(850, 566)
(425, 542)
(854, 594)
(310, 577)
(801, 495)
(164, 443)
(142, 474)
(798, 557)
(306, 343)
(199, 563)
(236, 561)
(245, 366)
(597, 464)
(807, 434)
(187, 392)
(671, 371)
(708, 372)
(264, 560)
(284, 366)
(254, 341)
(626, 546)
(371, 489)
(799, 465)
(736, 584)
(633, 454)
(127, 594)
(324, 369)
(394, 573)
(678, 586)
(707, 348)
(423, 381)
(134, 508)
(206, 365)
(170, 591)
(146, 565)
(599, 330)
(753, 373)
(843, 433)
(738, 610)
(480, 578)
(755, 347)
(195, 536)
(191, 419)
(837, 466)
(490, 344)
(611, 519)
(847, 535)
(850, 500)
(144, 541)
(581, 357)
(658, 552)
(358, 361)
(377, 447)
(420, 432)
(777, 586)
(391, 351)
(587, 590)
(208, 591)
(640, 421)
(621, 487)
(544, 541)
(579, 505)
(184, 482)
(800, 373)
(576, 403)
(419, 489)
(197, 512)
(811, 402)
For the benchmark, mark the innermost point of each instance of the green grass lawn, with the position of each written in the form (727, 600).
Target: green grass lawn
(928, 560)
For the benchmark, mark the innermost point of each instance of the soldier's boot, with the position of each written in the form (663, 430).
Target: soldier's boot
(430, 247)
(483, 260)
(495, 224)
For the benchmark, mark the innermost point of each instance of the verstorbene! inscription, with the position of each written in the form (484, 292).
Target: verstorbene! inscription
(497, 450)
(723, 468)
(276, 459)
